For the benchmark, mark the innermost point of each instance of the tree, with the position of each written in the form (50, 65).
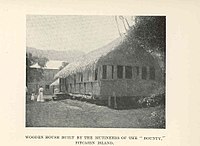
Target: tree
(34, 73)
(150, 33)
(42, 61)
(63, 65)
(30, 60)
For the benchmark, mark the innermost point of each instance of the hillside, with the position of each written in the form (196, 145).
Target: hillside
(67, 56)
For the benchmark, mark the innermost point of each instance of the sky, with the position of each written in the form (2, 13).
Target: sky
(68, 32)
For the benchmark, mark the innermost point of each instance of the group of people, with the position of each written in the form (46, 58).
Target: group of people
(40, 97)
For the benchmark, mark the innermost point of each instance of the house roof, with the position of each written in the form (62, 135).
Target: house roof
(89, 60)
(56, 82)
(51, 64)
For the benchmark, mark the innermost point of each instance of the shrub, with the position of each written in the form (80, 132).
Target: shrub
(152, 100)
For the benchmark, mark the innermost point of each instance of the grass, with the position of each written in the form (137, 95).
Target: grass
(73, 113)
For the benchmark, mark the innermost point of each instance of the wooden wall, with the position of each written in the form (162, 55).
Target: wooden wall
(112, 85)
(136, 86)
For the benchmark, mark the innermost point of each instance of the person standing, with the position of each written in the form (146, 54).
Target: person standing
(32, 96)
(40, 95)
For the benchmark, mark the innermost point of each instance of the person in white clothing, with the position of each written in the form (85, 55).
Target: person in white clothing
(32, 96)
(40, 95)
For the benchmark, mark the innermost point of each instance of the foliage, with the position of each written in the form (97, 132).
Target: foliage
(63, 65)
(42, 61)
(36, 73)
(150, 33)
(154, 119)
(153, 100)
(30, 60)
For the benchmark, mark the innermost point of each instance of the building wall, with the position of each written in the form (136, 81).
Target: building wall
(128, 88)
(136, 86)
(45, 82)
(87, 86)
(112, 85)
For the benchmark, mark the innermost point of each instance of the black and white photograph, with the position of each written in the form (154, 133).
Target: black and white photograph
(100, 73)
(96, 71)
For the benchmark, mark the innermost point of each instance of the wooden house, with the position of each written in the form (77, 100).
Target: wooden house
(115, 70)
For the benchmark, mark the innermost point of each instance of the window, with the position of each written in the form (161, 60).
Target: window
(92, 86)
(88, 75)
(66, 84)
(84, 87)
(70, 87)
(62, 81)
(81, 77)
(47, 87)
(152, 73)
(74, 79)
(96, 74)
(75, 88)
(144, 73)
(79, 87)
(104, 76)
(112, 72)
(119, 72)
(128, 72)
(137, 70)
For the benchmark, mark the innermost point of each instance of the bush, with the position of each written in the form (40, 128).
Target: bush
(152, 100)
